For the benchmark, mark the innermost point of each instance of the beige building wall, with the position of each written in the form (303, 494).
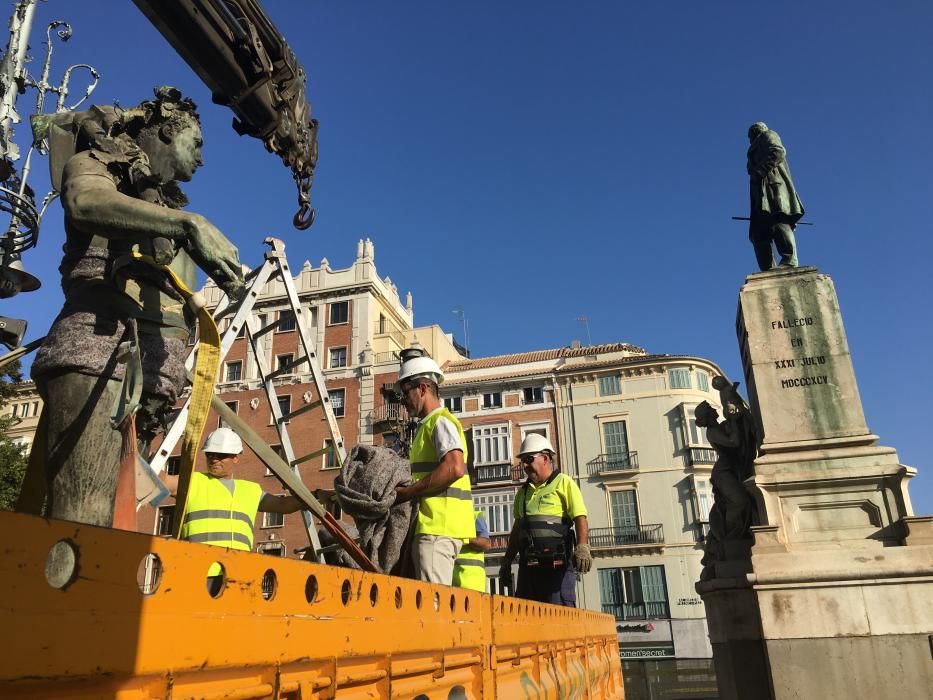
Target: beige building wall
(628, 436)
(25, 406)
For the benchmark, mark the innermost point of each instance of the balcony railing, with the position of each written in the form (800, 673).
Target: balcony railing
(496, 472)
(613, 462)
(383, 357)
(702, 455)
(391, 412)
(635, 535)
(499, 543)
(638, 611)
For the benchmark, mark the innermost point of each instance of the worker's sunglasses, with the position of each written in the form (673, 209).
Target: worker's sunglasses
(528, 459)
(212, 456)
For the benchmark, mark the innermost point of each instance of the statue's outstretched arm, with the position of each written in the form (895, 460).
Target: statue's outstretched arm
(93, 204)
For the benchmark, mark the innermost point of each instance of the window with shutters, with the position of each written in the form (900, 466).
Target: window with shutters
(609, 386)
(678, 378)
(636, 593)
(624, 509)
(615, 443)
(492, 444)
(497, 509)
(454, 404)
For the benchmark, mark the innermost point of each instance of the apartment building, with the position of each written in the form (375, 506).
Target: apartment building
(643, 467)
(622, 422)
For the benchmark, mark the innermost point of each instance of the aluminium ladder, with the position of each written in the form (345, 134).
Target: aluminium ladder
(275, 264)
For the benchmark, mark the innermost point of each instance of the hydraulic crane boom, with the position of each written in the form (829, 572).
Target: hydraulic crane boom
(248, 66)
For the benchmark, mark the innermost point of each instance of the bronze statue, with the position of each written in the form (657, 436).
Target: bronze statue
(120, 194)
(775, 206)
(736, 441)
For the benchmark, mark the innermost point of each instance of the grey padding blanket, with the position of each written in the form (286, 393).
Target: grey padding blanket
(366, 490)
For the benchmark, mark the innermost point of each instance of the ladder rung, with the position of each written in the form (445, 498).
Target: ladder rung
(266, 329)
(303, 409)
(312, 455)
(285, 369)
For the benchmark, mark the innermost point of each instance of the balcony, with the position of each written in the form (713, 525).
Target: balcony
(613, 463)
(633, 537)
(387, 416)
(384, 357)
(638, 611)
(701, 455)
(496, 473)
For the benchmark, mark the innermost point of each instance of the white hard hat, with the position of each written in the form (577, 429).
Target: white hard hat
(534, 443)
(422, 366)
(223, 441)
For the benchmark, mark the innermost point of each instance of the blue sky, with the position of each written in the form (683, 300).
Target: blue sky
(533, 162)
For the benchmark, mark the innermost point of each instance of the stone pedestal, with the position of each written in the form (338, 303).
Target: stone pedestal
(833, 598)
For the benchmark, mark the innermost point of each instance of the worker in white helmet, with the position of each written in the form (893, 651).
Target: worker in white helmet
(222, 510)
(438, 455)
(551, 534)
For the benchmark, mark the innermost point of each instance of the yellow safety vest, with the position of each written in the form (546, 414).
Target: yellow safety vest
(220, 518)
(449, 513)
(470, 565)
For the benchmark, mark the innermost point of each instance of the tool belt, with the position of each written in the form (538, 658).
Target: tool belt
(547, 542)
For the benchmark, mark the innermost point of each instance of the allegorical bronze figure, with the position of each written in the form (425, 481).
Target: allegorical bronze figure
(736, 441)
(775, 207)
(120, 193)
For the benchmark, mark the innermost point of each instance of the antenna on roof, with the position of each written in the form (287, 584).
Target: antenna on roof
(586, 322)
(461, 314)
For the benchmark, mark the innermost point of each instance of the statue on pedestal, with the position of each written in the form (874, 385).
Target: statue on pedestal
(775, 206)
(736, 441)
(120, 193)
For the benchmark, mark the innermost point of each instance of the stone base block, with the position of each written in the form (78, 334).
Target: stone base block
(832, 624)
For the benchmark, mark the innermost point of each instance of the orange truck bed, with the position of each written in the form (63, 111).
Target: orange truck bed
(129, 616)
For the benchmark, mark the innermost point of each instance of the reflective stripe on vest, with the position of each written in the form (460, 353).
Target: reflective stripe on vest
(449, 513)
(217, 517)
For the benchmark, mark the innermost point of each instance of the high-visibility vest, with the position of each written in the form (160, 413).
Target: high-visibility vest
(546, 533)
(217, 517)
(449, 513)
(470, 565)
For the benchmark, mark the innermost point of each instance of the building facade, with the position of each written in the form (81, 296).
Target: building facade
(621, 420)
(24, 407)
(643, 467)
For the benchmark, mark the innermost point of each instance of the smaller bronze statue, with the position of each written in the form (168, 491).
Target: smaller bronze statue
(775, 206)
(736, 441)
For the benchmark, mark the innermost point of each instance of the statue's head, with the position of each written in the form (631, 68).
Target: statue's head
(756, 129)
(706, 416)
(168, 129)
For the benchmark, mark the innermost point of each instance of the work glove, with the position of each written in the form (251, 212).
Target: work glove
(582, 558)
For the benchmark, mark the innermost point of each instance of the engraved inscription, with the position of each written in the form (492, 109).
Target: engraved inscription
(798, 362)
(792, 322)
(803, 381)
